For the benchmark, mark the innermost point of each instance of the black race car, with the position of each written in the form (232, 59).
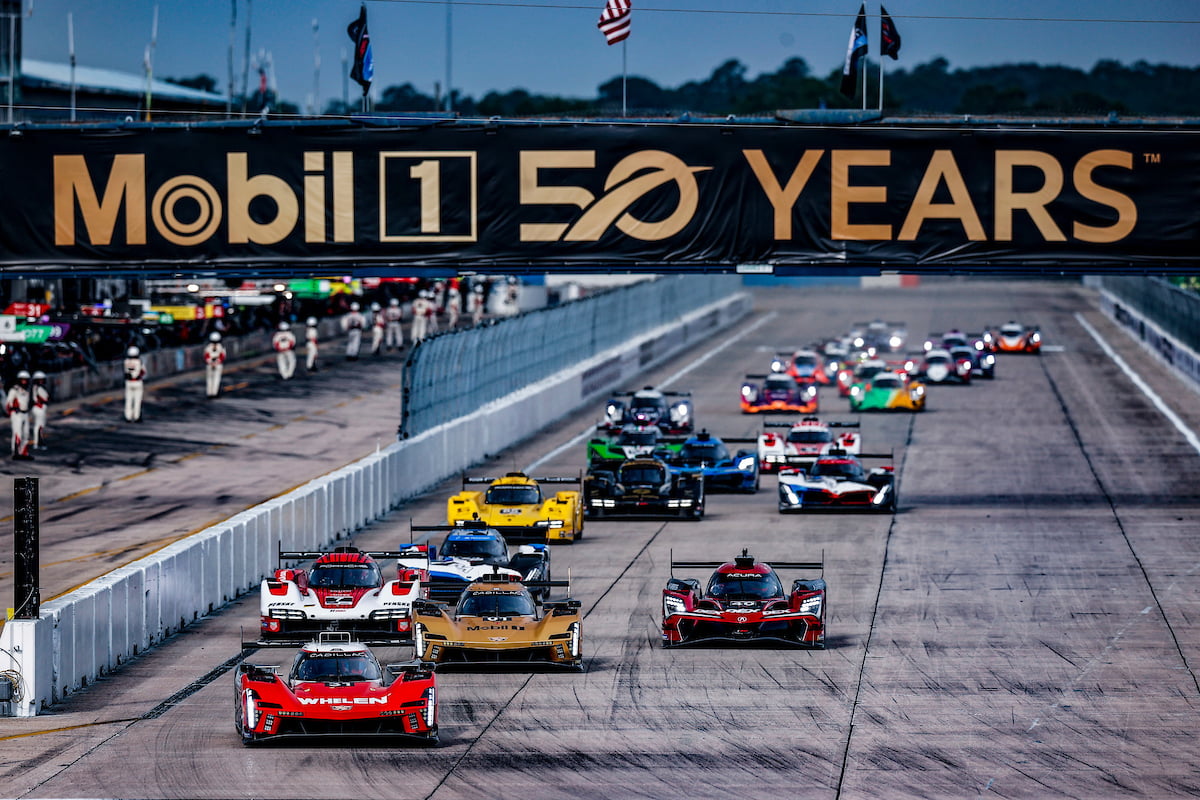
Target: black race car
(670, 411)
(643, 487)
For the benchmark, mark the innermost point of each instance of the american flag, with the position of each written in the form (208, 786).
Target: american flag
(614, 20)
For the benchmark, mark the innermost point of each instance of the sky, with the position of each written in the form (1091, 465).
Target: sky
(553, 46)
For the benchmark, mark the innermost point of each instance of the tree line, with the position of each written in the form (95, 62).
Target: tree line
(1139, 89)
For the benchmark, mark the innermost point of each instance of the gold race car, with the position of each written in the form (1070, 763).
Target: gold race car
(516, 506)
(497, 621)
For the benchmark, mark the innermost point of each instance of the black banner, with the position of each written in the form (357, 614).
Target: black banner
(342, 199)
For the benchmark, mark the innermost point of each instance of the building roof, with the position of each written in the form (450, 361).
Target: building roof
(109, 81)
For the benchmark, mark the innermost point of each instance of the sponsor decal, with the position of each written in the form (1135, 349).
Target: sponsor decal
(347, 701)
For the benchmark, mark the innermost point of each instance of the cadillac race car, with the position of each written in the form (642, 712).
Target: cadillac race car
(745, 601)
(515, 506)
(804, 442)
(778, 392)
(806, 366)
(1016, 338)
(708, 457)
(497, 620)
(472, 549)
(632, 441)
(670, 411)
(888, 391)
(837, 481)
(643, 487)
(345, 590)
(336, 687)
(940, 366)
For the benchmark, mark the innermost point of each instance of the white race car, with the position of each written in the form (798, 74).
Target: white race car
(804, 442)
(343, 590)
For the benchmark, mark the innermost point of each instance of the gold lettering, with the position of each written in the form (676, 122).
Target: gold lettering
(243, 189)
(314, 197)
(842, 195)
(126, 183)
(942, 167)
(533, 193)
(783, 200)
(1127, 213)
(611, 208)
(343, 196)
(1008, 200)
(208, 210)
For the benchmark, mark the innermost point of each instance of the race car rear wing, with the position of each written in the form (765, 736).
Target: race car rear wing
(837, 424)
(491, 478)
(745, 556)
(412, 551)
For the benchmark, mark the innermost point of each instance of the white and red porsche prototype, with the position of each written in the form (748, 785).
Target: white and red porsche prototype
(804, 442)
(336, 687)
(343, 590)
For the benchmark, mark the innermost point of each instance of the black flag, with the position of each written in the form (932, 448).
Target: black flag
(854, 51)
(364, 65)
(889, 37)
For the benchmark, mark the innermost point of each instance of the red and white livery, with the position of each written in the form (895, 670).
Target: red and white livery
(804, 442)
(344, 590)
(336, 687)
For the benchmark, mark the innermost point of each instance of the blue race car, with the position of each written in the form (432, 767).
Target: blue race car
(471, 549)
(707, 455)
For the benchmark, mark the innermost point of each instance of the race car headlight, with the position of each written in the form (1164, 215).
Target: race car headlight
(881, 495)
(672, 605)
(989, 359)
(858, 341)
(389, 613)
(895, 341)
(855, 390)
(777, 366)
(1037, 337)
(575, 640)
(789, 493)
(747, 392)
(430, 706)
(811, 605)
(419, 639)
(548, 523)
(251, 706)
(746, 463)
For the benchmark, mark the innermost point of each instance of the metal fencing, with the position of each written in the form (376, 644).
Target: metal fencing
(1175, 310)
(453, 374)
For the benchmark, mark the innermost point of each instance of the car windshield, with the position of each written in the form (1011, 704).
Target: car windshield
(496, 604)
(937, 358)
(647, 404)
(804, 360)
(953, 340)
(780, 383)
(744, 586)
(810, 437)
(513, 495)
(639, 438)
(482, 547)
(890, 383)
(335, 667)
(345, 576)
(963, 352)
(1012, 330)
(864, 371)
(639, 475)
(704, 451)
(842, 468)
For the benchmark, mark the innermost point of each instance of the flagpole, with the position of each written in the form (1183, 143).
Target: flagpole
(71, 49)
(449, 104)
(150, 61)
(864, 87)
(229, 66)
(881, 83)
(624, 73)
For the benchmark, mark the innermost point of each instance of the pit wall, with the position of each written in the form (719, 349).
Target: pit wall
(97, 628)
(1183, 360)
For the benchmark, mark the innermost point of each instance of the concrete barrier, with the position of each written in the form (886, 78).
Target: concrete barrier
(96, 628)
(1166, 348)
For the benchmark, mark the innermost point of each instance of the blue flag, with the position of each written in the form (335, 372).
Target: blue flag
(856, 50)
(364, 64)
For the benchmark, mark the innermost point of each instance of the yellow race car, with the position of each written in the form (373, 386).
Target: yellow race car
(516, 506)
(497, 621)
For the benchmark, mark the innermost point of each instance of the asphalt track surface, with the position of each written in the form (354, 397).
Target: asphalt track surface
(1027, 625)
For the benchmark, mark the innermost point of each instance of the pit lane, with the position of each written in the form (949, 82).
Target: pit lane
(1025, 625)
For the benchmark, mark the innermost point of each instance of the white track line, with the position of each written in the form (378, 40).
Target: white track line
(1187, 432)
(665, 382)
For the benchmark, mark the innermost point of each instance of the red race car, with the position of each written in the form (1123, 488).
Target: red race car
(806, 366)
(745, 601)
(336, 687)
